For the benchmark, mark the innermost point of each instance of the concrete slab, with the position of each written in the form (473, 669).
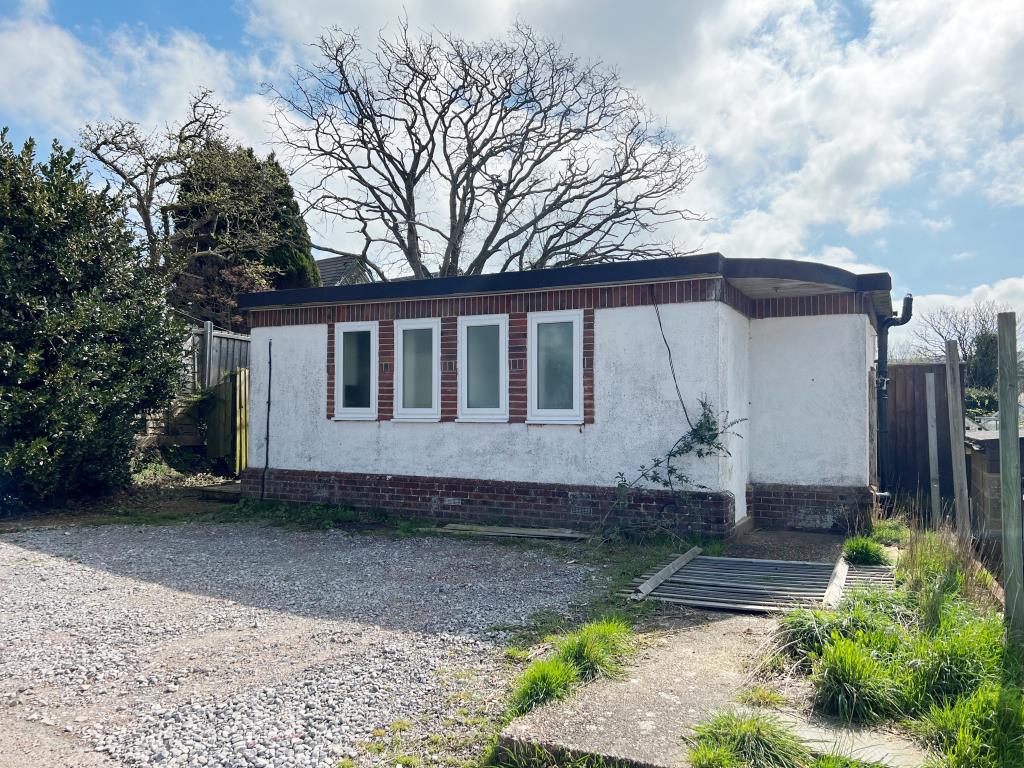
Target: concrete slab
(683, 678)
(680, 680)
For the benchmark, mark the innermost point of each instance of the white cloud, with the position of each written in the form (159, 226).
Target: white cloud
(937, 225)
(1005, 164)
(1008, 292)
(964, 256)
(804, 128)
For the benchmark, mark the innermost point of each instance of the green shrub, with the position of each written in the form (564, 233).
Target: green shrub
(852, 684)
(87, 342)
(597, 648)
(756, 741)
(891, 532)
(544, 680)
(861, 550)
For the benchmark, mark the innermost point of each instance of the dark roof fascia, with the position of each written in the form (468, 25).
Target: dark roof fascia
(564, 277)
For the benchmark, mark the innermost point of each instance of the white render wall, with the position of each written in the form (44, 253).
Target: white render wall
(810, 396)
(799, 384)
(638, 416)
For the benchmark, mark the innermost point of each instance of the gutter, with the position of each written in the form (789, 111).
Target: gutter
(882, 389)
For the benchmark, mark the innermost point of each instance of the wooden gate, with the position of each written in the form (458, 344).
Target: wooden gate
(227, 426)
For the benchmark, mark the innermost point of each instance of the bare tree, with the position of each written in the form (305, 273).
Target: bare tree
(145, 167)
(934, 327)
(459, 156)
(973, 327)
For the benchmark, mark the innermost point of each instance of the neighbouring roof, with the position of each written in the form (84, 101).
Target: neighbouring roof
(757, 278)
(339, 270)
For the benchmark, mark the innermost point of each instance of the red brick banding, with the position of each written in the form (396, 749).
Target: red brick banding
(584, 507)
(330, 370)
(641, 294)
(385, 370)
(838, 508)
(517, 334)
(588, 366)
(449, 368)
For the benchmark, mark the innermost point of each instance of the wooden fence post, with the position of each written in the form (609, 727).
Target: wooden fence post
(207, 354)
(955, 400)
(935, 491)
(1009, 478)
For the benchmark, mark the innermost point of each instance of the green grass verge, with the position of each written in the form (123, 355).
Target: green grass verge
(862, 550)
(930, 655)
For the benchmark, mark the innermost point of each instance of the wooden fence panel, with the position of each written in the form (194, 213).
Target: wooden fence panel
(908, 427)
(227, 427)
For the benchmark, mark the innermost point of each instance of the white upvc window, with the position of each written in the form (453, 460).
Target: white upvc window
(355, 380)
(555, 367)
(418, 370)
(483, 368)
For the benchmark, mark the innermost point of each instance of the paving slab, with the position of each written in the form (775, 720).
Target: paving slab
(680, 680)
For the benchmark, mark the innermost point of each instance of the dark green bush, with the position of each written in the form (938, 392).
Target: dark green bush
(87, 343)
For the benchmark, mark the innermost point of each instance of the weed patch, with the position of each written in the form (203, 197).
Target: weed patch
(850, 683)
(544, 680)
(863, 550)
(597, 648)
(891, 533)
(930, 655)
(761, 696)
(752, 741)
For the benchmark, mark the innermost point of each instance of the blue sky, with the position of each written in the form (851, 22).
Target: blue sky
(870, 135)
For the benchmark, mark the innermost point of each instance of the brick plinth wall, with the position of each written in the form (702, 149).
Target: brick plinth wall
(809, 507)
(451, 499)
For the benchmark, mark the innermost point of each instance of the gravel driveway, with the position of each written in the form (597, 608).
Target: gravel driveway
(240, 645)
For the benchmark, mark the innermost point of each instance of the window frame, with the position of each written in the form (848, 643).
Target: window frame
(535, 415)
(341, 413)
(417, 414)
(465, 413)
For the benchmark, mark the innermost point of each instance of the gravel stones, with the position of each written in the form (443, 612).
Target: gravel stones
(241, 645)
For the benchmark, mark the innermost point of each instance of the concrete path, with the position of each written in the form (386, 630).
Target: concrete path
(685, 677)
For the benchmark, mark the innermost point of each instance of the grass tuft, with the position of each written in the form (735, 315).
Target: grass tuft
(862, 550)
(891, 533)
(707, 756)
(850, 683)
(761, 696)
(841, 761)
(756, 741)
(983, 730)
(544, 680)
(597, 648)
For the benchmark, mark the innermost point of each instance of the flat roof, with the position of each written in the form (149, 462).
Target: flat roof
(755, 277)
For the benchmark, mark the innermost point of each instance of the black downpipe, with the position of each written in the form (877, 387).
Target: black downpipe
(882, 389)
(266, 436)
